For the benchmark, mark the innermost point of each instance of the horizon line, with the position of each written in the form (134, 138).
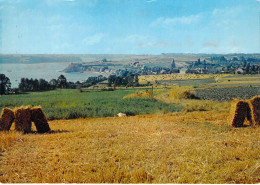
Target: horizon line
(125, 53)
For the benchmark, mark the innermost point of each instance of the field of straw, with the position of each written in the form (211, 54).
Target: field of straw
(191, 147)
(152, 78)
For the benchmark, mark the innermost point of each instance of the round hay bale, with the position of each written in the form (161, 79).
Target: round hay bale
(239, 111)
(23, 119)
(6, 120)
(254, 104)
(40, 120)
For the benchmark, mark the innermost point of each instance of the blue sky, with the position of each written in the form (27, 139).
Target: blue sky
(129, 26)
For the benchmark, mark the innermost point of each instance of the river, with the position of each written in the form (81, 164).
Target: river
(46, 71)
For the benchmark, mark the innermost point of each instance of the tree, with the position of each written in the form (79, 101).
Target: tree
(129, 80)
(136, 79)
(173, 64)
(22, 85)
(36, 85)
(5, 84)
(61, 82)
(53, 83)
(43, 85)
(111, 80)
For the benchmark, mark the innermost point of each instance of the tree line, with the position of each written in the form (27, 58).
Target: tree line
(34, 85)
(126, 79)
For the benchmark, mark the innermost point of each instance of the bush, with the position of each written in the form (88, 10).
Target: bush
(182, 92)
(140, 94)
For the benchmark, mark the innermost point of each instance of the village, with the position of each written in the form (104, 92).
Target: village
(209, 65)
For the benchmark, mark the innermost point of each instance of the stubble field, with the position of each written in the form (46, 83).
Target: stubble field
(195, 147)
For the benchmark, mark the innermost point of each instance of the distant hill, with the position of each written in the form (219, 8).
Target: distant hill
(80, 58)
(70, 58)
(38, 58)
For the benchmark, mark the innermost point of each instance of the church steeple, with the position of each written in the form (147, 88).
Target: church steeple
(173, 64)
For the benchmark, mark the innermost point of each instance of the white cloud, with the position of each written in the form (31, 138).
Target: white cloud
(142, 41)
(228, 12)
(153, 44)
(227, 46)
(191, 19)
(150, 1)
(221, 17)
(133, 38)
(226, 19)
(87, 3)
(94, 39)
(213, 45)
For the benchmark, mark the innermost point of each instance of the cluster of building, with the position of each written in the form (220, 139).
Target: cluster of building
(222, 65)
(142, 69)
(211, 65)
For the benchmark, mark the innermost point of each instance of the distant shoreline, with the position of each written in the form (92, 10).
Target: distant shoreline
(89, 73)
(45, 71)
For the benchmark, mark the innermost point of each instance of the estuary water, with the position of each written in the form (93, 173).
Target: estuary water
(46, 71)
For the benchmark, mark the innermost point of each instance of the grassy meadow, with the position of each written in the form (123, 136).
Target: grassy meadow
(168, 137)
(69, 104)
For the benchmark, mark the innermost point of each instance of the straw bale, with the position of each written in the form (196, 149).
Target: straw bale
(254, 104)
(23, 119)
(40, 120)
(239, 111)
(6, 119)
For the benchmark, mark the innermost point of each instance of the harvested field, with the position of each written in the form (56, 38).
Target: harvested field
(189, 82)
(195, 147)
(151, 78)
(227, 94)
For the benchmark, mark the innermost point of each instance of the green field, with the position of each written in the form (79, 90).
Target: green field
(69, 104)
(90, 102)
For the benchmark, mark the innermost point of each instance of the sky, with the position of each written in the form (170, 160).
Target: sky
(129, 26)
